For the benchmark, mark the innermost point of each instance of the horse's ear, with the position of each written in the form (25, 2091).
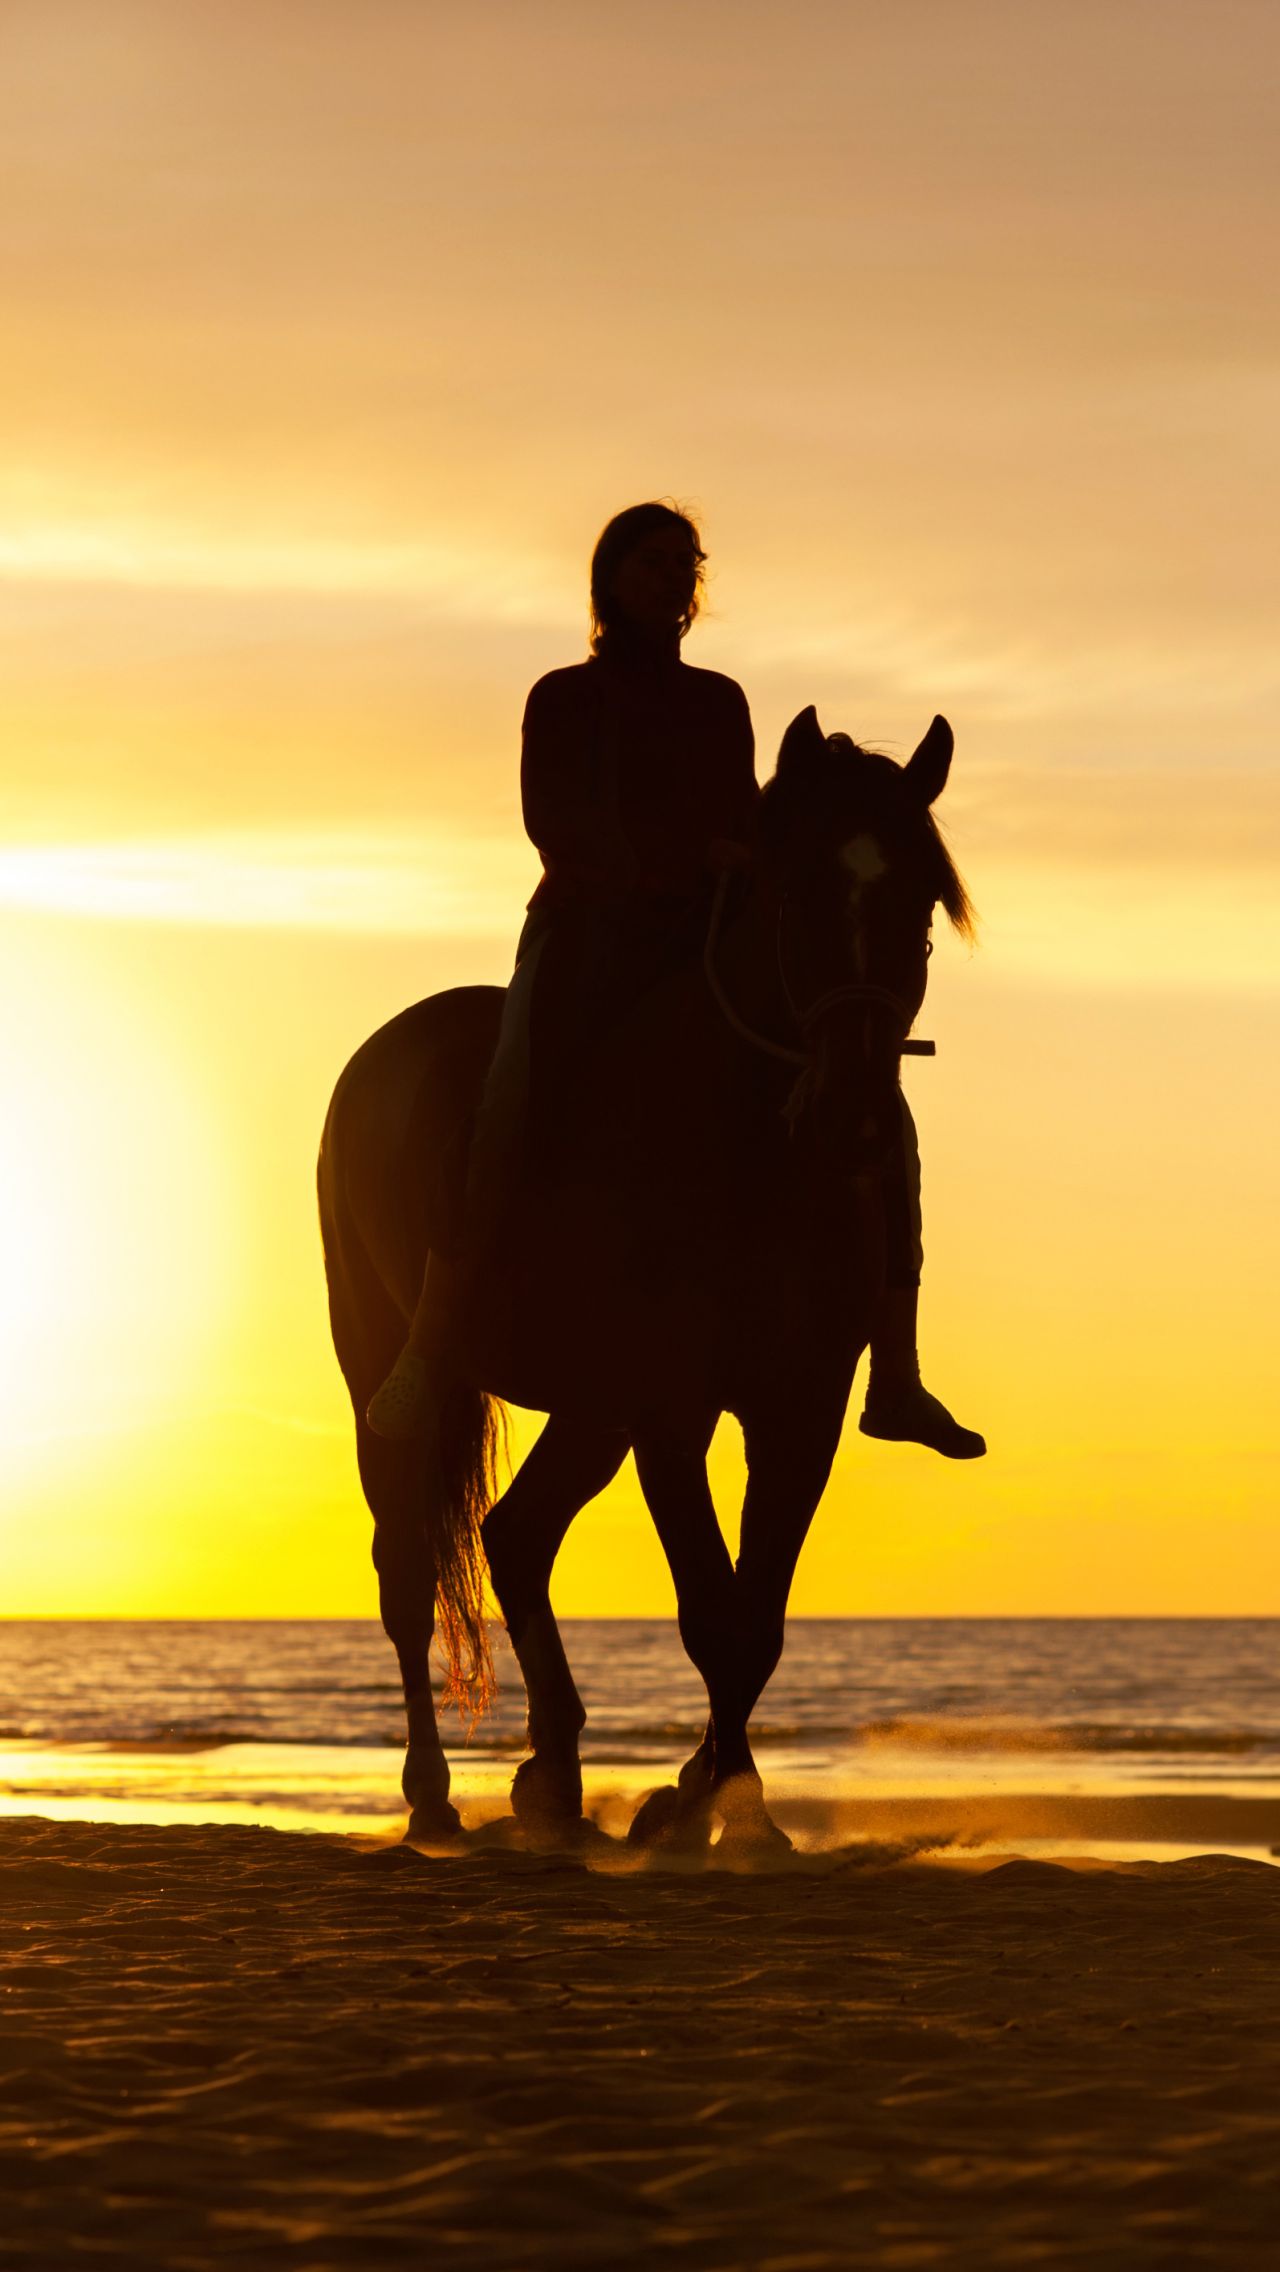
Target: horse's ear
(927, 770)
(803, 740)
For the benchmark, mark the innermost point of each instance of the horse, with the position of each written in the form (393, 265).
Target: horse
(712, 1241)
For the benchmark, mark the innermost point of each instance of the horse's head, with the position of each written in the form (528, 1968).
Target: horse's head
(854, 858)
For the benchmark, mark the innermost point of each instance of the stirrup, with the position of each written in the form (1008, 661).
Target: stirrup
(402, 1408)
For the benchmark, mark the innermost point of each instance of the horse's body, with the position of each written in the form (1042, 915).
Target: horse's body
(698, 1253)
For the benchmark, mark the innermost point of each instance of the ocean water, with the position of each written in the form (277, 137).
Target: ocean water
(300, 1723)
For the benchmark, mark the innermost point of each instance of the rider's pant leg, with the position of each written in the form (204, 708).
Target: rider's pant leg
(498, 1139)
(903, 1222)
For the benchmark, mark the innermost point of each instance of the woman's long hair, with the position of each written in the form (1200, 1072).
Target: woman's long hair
(620, 536)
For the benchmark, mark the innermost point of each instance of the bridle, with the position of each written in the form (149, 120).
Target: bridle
(860, 991)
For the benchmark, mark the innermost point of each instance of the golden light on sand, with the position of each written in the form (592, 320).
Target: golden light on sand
(847, 2063)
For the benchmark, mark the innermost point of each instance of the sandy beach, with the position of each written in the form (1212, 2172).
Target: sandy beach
(224, 2044)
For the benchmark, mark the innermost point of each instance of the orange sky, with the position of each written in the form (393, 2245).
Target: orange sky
(331, 336)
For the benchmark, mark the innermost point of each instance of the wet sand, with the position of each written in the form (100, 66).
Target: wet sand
(231, 2045)
(352, 1789)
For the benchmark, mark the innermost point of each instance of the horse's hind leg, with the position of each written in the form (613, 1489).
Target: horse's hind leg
(570, 1464)
(395, 1487)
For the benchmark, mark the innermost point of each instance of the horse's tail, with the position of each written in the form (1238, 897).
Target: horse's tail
(451, 1494)
(473, 1438)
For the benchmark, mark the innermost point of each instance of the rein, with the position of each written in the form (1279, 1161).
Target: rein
(835, 995)
(720, 998)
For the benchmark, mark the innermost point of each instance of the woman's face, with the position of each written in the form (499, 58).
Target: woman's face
(654, 584)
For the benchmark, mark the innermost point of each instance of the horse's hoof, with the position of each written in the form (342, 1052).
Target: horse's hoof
(753, 1845)
(665, 1820)
(546, 1804)
(439, 1824)
(653, 1817)
(750, 1836)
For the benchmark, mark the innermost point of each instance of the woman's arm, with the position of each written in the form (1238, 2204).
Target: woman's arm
(555, 781)
(737, 787)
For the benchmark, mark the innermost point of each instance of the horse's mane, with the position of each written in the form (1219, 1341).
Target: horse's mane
(850, 787)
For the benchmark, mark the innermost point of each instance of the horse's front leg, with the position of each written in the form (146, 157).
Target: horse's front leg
(395, 1487)
(570, 1464)
(672, 1465)
(789, 1450)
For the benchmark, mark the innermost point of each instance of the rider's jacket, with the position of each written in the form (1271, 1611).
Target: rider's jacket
(632, 764)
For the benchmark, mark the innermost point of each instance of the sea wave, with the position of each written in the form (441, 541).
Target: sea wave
(1159, 1698)
(1066, 1735)
(627, 1741)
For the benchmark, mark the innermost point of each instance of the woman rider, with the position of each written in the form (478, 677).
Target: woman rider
(637, 778)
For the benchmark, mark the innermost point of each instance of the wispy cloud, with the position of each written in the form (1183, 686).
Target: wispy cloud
(1176, 930)
(1068, 921)
(498, 585)
(429, 885)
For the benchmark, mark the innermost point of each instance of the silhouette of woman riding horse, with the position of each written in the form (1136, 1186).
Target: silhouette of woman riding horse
(669, 1174)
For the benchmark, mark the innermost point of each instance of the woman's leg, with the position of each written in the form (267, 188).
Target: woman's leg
(899, 1408)
(403, 1406)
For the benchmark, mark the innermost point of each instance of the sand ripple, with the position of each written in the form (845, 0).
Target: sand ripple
(223, 2045)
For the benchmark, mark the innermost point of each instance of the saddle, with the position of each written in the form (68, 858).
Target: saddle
(580, 972)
